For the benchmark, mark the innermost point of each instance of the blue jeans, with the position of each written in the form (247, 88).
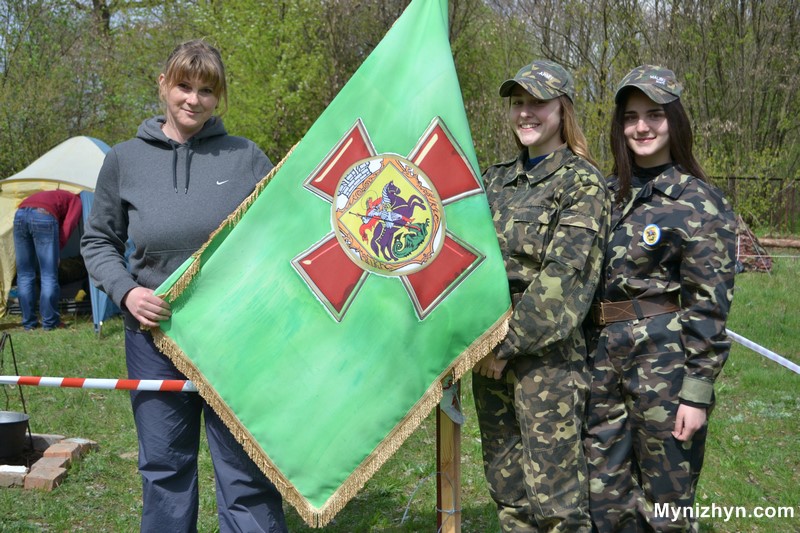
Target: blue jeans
(168, 426)
(36, 241)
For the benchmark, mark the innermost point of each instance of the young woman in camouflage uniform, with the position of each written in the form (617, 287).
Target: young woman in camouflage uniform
(551, 212)
(658, 341)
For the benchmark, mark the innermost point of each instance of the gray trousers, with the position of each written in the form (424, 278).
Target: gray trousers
(168, 427)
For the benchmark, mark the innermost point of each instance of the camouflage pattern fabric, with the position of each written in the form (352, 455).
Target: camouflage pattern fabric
(675, 236)
(542, 79)
(531, 421)
(633, 459)
(551, 222)
(658, 83)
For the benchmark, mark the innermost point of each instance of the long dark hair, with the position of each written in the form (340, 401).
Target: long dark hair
(681, 142)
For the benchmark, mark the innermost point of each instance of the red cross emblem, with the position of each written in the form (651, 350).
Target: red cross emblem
(387, 218)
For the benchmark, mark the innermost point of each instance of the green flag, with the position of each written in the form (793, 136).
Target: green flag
(320, 319)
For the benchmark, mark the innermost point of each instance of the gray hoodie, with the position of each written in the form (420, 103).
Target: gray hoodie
(167, 198)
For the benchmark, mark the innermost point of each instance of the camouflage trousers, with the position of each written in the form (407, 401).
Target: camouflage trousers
(531, 421)
(636, 466)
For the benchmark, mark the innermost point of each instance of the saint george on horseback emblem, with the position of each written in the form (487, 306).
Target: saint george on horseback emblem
(387, 216)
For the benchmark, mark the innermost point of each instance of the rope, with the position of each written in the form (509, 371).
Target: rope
(449, 512)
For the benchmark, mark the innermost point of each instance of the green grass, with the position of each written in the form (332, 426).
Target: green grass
(102, 493)
(753, 451)
(752, 458)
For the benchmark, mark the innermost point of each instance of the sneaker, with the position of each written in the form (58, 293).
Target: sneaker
(60, 325)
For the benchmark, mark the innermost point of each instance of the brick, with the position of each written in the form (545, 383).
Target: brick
(42, 441)
(45, 478)
(12, 476)
(52, 462)
(64, 449)
(85, 444)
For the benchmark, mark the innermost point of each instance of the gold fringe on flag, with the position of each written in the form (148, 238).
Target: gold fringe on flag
(186, 278)
(315, 517)
(319, 517)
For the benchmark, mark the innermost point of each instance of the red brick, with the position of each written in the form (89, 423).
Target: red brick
(64, 449)
(52, 462)
(45, 478)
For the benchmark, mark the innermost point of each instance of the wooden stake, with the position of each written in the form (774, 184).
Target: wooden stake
(448, 466)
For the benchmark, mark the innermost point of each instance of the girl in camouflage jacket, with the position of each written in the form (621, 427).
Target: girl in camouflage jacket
(657, 337)
(551, 212)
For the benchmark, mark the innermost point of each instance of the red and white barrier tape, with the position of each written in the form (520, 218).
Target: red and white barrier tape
(763, 351)
(169, 385)
(178, 385)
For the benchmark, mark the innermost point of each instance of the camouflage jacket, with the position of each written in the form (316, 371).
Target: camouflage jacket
(693, 257)
(551, 222)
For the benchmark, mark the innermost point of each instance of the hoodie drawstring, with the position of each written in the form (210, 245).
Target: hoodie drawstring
(188, 163)
(174, 145)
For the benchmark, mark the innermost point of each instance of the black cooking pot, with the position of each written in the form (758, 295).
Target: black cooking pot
(12, 433)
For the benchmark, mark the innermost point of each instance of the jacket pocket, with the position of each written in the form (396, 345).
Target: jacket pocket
(577, 232)
(529, 233)
(158, 265)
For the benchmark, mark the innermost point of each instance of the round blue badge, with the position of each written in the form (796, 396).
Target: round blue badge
(651, 235)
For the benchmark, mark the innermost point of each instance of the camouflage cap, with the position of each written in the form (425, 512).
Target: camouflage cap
(658, 83)
(543, 79)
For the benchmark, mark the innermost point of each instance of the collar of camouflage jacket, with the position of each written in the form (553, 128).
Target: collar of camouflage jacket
(548, 166)
(671, 183)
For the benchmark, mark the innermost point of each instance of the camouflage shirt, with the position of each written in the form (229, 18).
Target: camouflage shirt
(693, 257)
(551, 222)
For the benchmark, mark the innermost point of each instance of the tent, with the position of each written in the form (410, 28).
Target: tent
(73, 165)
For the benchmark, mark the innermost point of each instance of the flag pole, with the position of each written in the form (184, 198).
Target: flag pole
(448, 466)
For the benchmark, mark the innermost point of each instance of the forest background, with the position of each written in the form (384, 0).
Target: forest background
(89, 67)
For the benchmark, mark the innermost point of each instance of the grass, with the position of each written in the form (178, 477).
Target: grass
(753, 452)
(752, 458)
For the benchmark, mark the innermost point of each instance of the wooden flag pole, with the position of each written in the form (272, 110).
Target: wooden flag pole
(448, 467)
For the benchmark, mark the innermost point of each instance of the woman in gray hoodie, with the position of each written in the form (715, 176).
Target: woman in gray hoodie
(167, 190)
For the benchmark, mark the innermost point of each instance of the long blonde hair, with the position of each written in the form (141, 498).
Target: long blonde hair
(571, 132)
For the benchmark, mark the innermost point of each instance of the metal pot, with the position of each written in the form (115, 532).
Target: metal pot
(12, 433)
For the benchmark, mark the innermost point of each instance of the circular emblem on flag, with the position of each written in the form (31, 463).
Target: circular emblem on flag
(387, 216)
(651, 235)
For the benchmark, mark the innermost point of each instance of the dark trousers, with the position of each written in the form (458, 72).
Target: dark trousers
(636, 466)
(168, 427)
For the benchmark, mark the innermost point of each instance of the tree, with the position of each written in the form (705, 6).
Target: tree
(36, 90)
(71, 67)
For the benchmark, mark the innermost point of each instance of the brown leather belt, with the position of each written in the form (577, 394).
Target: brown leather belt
(607, 312)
